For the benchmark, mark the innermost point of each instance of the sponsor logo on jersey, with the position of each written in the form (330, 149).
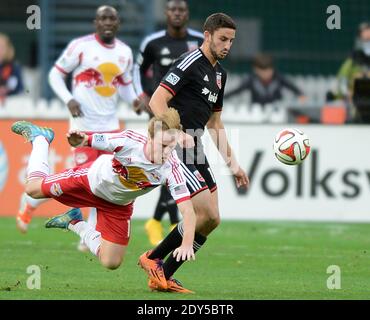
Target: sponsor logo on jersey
(205, 91)
(192, 45)
(56, 189)
(172, 78)
(104, 79)
(206, 78)
(165, 51)
(212, 97)
(219, 79)
(132, 178)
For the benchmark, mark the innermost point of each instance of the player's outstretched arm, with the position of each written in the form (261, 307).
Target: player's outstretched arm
(186, 251)
(159, 101)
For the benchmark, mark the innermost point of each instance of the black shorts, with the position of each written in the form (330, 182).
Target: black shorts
(196, 169)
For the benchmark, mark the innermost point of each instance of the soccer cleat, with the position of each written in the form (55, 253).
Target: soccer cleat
(30, 131)
(154, 269)
(173, 285)
(23, 221)
(62, 221)
(154, 231)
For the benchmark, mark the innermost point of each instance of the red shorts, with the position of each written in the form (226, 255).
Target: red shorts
(71, 187)
(82, 155)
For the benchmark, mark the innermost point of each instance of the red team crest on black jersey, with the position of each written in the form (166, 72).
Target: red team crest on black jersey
(219, 80)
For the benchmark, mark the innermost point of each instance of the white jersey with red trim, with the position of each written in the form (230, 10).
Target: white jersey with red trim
(127, 174)
(99, 70)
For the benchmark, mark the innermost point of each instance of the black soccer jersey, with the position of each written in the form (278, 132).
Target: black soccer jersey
(160, 50)
(197, 88)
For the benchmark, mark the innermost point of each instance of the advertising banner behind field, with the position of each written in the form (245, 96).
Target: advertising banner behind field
(333, 183)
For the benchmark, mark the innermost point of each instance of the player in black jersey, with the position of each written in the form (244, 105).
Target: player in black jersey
(159, 50)
(194, 86)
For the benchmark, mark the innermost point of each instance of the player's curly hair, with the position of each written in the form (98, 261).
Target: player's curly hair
(166, 121)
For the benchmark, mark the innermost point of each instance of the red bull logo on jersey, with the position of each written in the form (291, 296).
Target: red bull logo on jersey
(134, 178)
(104, 79)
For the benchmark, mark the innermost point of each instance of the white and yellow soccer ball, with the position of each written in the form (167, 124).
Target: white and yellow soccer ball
(291, 146)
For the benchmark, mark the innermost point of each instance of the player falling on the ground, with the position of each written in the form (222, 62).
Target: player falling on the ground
(101, 66)
(158, 50)
(111, 184)
(194, 86)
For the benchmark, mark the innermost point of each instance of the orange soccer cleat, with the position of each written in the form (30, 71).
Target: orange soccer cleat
(154, 269)
(24, 216)
(173, 285)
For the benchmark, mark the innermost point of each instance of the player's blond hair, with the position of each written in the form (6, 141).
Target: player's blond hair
(166, 121)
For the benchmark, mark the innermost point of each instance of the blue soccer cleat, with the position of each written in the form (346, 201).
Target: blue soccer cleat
(30, 131)
(62, 221)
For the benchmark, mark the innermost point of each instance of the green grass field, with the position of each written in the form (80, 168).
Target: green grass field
(242, 260)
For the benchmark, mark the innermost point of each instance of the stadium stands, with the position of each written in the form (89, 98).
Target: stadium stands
(237, 109)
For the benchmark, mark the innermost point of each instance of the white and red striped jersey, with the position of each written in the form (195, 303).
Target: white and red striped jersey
(127, 174)
(99, 72)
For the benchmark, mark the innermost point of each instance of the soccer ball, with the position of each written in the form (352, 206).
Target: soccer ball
(291, 146)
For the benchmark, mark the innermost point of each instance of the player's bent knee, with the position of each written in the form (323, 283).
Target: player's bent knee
(33, 189)
(111, 263)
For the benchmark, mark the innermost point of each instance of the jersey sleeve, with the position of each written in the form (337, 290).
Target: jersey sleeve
(70, 58)
(176, 77)
(217, 107)
(176, 181)
(144, 60)
(111, 142)
(127, 75)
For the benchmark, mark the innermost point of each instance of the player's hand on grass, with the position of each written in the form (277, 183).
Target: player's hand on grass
(186, 140)
(241, 178)
(77, 138)
(74, 108)
(184, 253)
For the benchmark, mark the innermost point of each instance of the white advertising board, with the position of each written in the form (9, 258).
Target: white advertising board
(333, 184)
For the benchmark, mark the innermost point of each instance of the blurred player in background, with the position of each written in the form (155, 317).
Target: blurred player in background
(265, 83)
(111, 183)
(194, 86)
(101, 67)
(354, 70)
(11, 82)
(159, 50)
